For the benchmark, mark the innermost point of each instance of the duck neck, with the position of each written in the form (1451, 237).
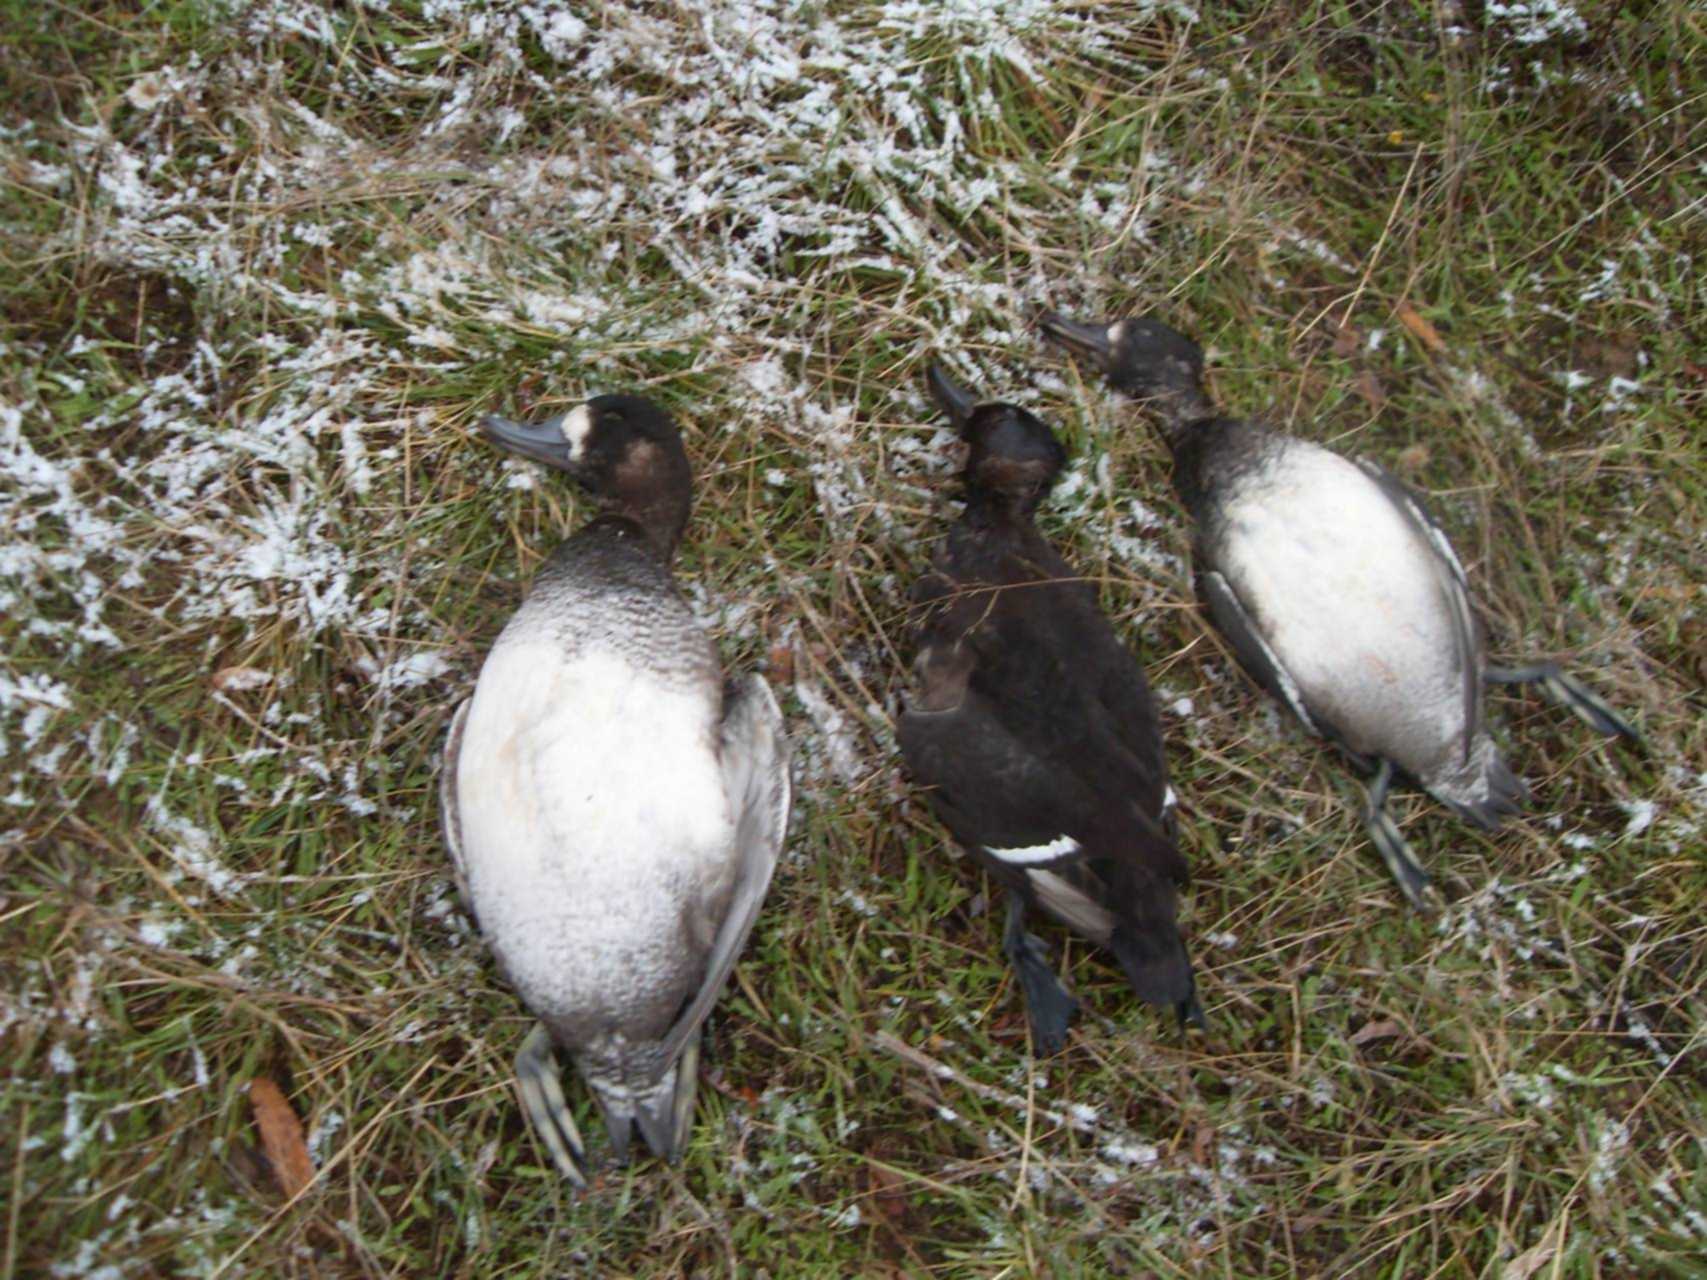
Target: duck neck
(988, 508)
(1207, 451)
(1180, 409)
(661, 519)
(652, 489)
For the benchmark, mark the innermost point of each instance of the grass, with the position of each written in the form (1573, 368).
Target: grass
(264, 266)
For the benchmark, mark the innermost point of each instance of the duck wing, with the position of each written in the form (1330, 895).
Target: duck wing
(753, 747)
(995, 794)
(1453, 584)
(450, 815)
(1124, 693)
(1250, 648)
(1064, 640)
(1029, 705)
(1089, 856)
(1021, 804)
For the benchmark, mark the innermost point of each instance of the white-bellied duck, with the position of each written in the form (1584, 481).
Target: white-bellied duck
(613, 807)
(1336, 590)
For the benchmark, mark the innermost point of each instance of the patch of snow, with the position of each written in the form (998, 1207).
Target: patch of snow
(192, 849)
(834, 741)
(1612, 1143)
(1533, 21)
(1641, 816)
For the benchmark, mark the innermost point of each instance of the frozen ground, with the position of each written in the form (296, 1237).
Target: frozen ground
(266, 264)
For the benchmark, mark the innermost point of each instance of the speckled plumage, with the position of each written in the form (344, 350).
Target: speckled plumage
(613, 809)
(1335, 588)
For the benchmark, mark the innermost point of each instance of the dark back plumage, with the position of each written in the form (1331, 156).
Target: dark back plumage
(1033, 725)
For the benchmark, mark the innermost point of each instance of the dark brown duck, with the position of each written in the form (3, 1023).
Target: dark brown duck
(1036, 734)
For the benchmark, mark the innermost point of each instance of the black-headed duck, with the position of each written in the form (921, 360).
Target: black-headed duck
(1335, 589)
(613, 808)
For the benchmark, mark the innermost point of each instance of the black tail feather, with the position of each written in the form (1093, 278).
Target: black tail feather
(1156, 965)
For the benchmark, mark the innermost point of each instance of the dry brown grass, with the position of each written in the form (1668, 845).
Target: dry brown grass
(266, 269)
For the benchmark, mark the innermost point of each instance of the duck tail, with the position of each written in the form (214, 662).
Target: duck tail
(1158, 968)
(1484, 791)
(662, 1111)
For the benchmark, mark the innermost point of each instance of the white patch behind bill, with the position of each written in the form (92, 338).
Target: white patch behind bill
(576, 426)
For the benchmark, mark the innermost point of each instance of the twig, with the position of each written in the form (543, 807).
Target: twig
(893, 1044)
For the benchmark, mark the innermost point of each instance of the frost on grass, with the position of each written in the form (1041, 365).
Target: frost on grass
(1532, 21)
(1612, 1143)
(750, 207)
(192, 848)
(1641, 816)
(790, 155)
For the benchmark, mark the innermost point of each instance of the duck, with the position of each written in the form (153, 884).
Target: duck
(614, 807)
(1035, 734)
(1337, 591)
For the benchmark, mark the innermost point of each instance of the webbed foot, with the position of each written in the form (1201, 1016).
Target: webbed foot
(548, 1111)
(1049, 1007)
(1394, 849)
(1570, 693)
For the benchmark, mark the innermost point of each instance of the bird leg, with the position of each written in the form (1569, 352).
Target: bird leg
(687, 1089)
(542, 1099)
(1190, 1010)
(1568, 692)
(1048, 1005)
(1390, 843)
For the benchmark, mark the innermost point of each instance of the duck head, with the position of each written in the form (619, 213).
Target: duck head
(624, 450)
(1143, 358)
(1012, 456)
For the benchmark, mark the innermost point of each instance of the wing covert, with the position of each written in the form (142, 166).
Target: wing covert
(754, 751)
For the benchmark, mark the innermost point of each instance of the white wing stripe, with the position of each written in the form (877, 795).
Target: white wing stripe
(1059, 847)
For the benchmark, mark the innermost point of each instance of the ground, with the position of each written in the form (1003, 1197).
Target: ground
(266, 264)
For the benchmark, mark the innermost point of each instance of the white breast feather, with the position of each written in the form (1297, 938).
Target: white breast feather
(1349, 597)
(591, 800)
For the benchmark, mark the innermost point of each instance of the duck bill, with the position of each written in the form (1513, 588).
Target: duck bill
(955, 400)
(1093, 340)
(543, 442)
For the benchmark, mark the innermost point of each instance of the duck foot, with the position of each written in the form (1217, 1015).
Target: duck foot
(1568, 692)
(1190, 1011)
(1048, 1005)
(1394, 849)
(542, 1098)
